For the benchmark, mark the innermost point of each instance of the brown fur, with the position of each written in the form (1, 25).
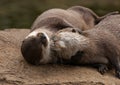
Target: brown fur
(99, 46)
(33, 48)
(76, 16)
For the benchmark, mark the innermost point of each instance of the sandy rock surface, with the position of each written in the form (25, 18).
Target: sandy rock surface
(15, 71)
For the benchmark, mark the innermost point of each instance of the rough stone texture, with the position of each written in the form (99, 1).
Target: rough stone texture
(15, 71)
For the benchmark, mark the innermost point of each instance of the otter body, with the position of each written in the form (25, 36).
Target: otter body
(76, 16)
(99, 46)
(36, 46)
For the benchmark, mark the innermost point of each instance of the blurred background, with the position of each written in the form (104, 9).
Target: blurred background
(22, 13)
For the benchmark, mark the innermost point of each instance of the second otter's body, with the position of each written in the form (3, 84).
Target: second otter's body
(99, 46)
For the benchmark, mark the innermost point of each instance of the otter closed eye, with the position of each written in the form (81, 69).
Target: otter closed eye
(73, 30)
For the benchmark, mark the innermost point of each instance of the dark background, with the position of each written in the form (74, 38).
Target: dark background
(22, 13)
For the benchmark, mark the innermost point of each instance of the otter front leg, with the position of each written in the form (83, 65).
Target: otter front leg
(114, 59)
(117, 71)
(116, 64)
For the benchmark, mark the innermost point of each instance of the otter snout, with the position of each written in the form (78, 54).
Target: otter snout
(57, 44)
(32, 48)
(42, 38)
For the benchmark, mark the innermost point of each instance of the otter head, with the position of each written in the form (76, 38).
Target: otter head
(35, 48)
(66, 42)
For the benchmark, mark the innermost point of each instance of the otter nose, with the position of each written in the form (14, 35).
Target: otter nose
(41, 35)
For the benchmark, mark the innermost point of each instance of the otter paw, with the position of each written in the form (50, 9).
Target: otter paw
(103, 69)
(118, 74)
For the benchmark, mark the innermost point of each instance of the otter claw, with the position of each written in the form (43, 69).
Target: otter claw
(103, 69)
(118, 74)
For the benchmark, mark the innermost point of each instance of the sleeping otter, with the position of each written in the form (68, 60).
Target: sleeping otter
(36, 46)
(99, 46)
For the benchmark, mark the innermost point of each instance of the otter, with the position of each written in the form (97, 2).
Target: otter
(99, 46)
(35, 47)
